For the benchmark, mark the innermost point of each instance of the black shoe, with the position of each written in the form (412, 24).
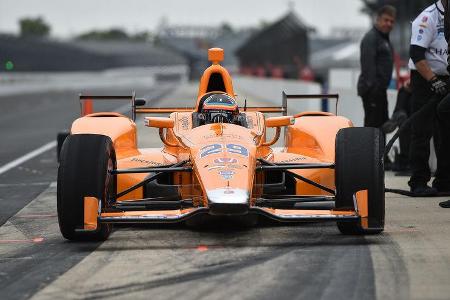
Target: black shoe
(423, 191)
(395, 121)
(445, 204)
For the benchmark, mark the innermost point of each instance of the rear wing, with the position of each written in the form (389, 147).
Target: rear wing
(162, 110)
(137, 104)
(87, 106)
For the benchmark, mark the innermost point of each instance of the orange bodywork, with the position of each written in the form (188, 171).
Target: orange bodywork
(315, 137)
(90, 213)
(362, 199)
(223, 157)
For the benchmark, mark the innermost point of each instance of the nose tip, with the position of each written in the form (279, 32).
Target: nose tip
(228, 201)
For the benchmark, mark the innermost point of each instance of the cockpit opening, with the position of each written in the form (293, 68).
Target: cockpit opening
(216, 83)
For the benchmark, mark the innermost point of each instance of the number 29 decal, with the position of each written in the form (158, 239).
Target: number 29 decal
(237, 149)
(218, 148)
(210, 149)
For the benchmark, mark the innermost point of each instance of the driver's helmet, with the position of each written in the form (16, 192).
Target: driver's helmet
(219, 108)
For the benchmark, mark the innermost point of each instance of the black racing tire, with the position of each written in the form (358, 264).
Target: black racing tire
(86, 160)
(60, 138)
(360, 166)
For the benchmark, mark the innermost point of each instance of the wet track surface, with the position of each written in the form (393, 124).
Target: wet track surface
(220, 261)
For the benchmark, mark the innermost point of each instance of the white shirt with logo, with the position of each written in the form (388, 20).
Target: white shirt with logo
(428, 33)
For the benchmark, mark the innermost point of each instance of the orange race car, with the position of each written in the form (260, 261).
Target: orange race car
(217, 161)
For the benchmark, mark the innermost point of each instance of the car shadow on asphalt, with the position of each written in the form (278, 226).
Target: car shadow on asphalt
(219, 235)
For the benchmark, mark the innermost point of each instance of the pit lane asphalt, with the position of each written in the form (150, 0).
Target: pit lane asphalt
(309, 261)
(29, 121)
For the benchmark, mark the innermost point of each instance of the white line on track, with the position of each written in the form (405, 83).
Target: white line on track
(27, 157)
(122, 109)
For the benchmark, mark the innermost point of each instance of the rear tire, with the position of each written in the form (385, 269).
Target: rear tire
(360, 166)
(83, 171)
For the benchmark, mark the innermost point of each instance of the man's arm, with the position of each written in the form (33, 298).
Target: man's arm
(418, 57)
(423, 32)
(424, 69)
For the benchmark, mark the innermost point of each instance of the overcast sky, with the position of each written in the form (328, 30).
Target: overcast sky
(68, 18)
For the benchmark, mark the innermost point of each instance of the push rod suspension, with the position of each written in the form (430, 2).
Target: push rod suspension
(269, 166)
(147, 180)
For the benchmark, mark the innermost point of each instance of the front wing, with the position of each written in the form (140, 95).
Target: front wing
(179, 215)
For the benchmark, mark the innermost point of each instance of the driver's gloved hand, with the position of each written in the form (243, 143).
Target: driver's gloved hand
(438, 86)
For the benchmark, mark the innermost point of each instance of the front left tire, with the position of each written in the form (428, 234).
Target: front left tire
(86, 160)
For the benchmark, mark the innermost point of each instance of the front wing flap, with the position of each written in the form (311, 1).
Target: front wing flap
(180, 215)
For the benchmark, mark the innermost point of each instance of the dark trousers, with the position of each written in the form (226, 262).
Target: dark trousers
(425, 126)
(442, 176)
(375, 108)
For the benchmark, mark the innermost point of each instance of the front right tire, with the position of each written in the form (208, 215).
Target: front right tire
(360, 166)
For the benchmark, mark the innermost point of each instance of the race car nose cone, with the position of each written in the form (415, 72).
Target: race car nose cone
(228, 201)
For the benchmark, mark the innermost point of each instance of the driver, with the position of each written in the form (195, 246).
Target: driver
(219, 108)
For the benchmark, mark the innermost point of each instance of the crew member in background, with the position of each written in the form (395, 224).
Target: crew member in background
(376, 68)
(429, 76)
